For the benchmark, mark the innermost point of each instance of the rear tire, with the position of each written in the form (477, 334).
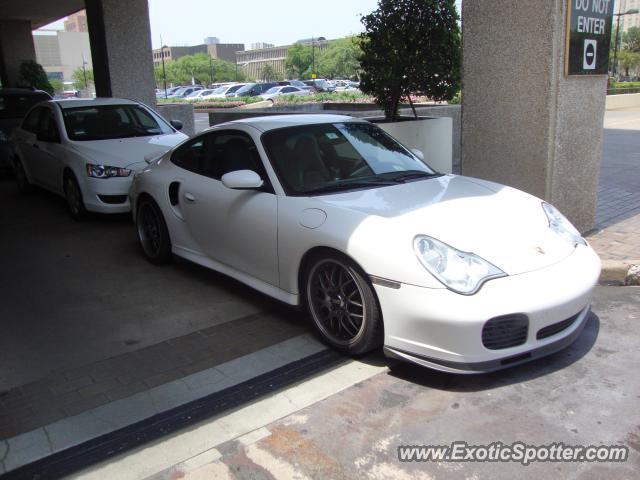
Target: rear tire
(153, 234)
(342, 304)
(73, 196)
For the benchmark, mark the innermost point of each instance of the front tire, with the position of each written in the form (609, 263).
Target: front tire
(73, 196)
(342, 305)
(153, 234)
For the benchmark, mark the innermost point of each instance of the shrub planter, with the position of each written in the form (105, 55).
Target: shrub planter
(431, 135)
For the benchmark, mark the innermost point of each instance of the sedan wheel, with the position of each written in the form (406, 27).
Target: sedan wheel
(73, 196)
(152, 233)
(343, 306)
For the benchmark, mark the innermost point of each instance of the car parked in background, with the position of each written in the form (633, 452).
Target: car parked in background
(87, 150)
(14, 104)
(225, 91)
(183, 92)
(253, 89)
(160, 93)
(279, 91)
(198, 95)
(331, 213)
(320, 85)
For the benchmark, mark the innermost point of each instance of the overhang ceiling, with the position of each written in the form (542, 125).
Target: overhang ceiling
(39, 12)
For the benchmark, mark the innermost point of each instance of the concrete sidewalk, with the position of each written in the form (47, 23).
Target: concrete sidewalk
(582, 395)
(616, 236)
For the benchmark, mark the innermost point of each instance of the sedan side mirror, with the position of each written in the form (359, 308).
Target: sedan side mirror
(418, 153)
(177, 124)
(242, 180)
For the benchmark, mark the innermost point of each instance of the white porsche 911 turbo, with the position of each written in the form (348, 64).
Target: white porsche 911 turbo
(329, 212)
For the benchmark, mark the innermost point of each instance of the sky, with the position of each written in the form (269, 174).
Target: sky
(280, 22)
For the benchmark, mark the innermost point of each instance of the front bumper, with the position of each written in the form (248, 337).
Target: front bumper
(107, 195)
(443, 330)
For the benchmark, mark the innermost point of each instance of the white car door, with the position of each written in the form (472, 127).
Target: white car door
(48, 152)
(25, 138)
(235, 227)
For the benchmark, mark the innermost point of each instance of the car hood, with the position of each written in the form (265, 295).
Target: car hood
(127, 152)
(505, 226)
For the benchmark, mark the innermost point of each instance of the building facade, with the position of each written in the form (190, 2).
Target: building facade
(223, 51)
(61, 53)
(253, 62)
(76, 22)
(632, 20)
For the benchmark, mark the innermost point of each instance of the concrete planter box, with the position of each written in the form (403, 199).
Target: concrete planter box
(431, 135)
(179, 111)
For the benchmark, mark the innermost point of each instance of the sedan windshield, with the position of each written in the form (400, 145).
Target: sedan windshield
(273, 90)
(111, 121)
(313, 159)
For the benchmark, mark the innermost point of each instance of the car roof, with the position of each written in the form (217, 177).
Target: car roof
(74, 103)
(265, 124)
(21, 91)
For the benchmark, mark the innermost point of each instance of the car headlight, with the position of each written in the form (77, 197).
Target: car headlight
(560, 225)
(462, 272)
(105, 171)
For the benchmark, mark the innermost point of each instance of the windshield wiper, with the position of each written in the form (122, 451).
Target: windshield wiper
(413, 174)
(349, 185)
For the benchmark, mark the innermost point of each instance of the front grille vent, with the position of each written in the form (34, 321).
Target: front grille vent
(554, 328)
(505, 331)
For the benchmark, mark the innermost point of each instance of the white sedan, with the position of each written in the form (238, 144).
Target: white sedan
(284, 90)
(86, 150)
(329, 212)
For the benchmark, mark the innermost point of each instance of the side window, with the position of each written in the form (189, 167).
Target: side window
(47, 126)
(190, 156)
(30, 123)
(232, 150)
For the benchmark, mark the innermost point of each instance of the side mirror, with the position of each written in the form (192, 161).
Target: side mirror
(418, 153)
(242, 180)
(177, 124)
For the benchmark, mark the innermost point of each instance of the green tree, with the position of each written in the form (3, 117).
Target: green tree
(33, 75)
(199, 67)
(631, 39)
(409, 47)
(78, 77)
(340, 58)
(628, 60)
(56, 85)
(299, 61)
(268, 73)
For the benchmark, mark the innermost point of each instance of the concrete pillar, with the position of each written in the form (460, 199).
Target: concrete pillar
(120, 38)
(16, 46)
(524, 123)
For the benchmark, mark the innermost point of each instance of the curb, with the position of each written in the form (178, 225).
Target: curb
(618, 272)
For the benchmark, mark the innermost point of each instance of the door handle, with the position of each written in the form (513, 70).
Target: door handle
(189, 197)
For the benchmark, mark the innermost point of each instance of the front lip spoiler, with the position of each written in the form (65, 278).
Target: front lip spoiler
(497, 364)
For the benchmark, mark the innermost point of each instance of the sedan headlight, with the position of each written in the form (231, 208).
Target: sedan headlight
(560, 225)
(462, 272)
(105, 171)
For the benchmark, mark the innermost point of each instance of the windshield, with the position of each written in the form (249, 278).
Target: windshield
(273, 90)
(234, 88)
(16, 106)
(322, 158)
(111, 121)
(220, 90)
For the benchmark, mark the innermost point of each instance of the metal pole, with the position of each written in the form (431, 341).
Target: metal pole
(164, 73)
(615, 46)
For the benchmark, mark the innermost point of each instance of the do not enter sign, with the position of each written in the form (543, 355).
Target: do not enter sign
(589, 25)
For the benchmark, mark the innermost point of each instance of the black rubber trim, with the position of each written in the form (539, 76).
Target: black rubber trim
(76, 458)
(492, 365)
